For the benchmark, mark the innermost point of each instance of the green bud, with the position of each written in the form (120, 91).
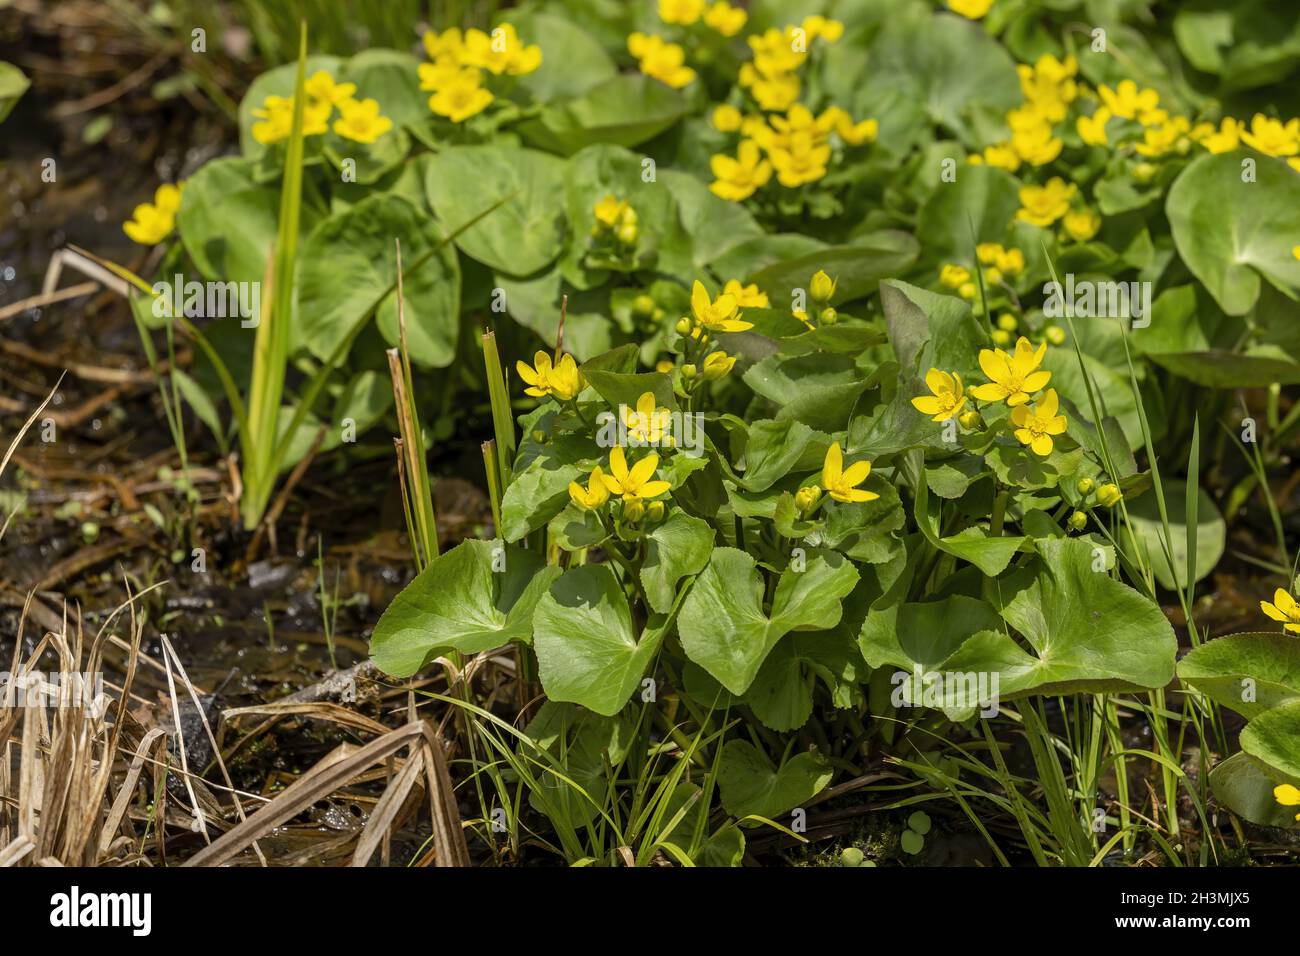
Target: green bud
(1084, 486)
(643, 305)
(1078, 521)
(683, 326)
(655, 511)
(1109, 495)
(634, 510)
(828, 316)
(689, 370)
(1055, 335)
(822, 287)
(970, 420)
(1007, 322)
(807, 498)
(89, 531)
(628, 233)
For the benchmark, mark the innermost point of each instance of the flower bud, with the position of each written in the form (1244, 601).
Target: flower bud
(717, 365)
(628, 233)
(1109, 495)
(967, 290)
(683, 326)
(689, 370)
(634, 510)
(655, 511)
(822, 287)
(970, 420)
(1078, 521)
(643, 305)
(1055, 335)
(1084, 486)
(993, 275)
(1144, 172)
(1007, 321)
(807, 498)
(539, 436)
(828, 316)
(1001, 337)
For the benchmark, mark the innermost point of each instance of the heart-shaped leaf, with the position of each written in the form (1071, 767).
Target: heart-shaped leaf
(751, 786)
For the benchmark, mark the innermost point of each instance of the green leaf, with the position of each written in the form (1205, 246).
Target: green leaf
(781, 696)
(675, 549)
(525, 234)
(1144, 514)
(573, 61)
(12, 87)
(537, 493)
(724, 628)
(350, 261)
(751, 786)
(1243, 785)
(391, 78)
(1231, 233)
(857, 268)
(983, 194)
(587, 651)
(1249, 673)
(1273, 738)
(462, 602)
(624, 110)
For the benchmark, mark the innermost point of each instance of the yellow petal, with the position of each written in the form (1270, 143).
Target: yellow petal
(1042, 445)
(833, 466)
(992, 392)
(927, 405)
(617, 467)
(1036, 380)
(643, 471)
(652, 489)
(856, 473)
(1272, 611)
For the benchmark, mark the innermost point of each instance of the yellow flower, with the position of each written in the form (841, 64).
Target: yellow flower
(635, 483)
(1010, 261)
(442, 71)
(1043, 205)
(1002, 156)
(1035, 427)
(775, 92)
(1283, 608)
(151, 223)
(720, 314)
(1092, 129)
(1035, 144)
(275, 119)
(739, 178)
(954, 276)
(1271, 137)
(775, 52)
(502, 52)
(1049, 86)
(717, 365)
(609, 211)
(1165, 138)
(562, 380)
(321, 88)
(360, 120)
(970, 9)
(647, 424)
(724, 18)
(803, 162)
(684, 12)
(823, 27)
(746, 296)
(594, 495)
(1013, 377)
(1287, 796)
(450, 43)
(660, 60)
(947, 399)
(1127, 101)
(462, 98)
(726, 118)
(842, 483)
(1223, 140)
(1082, 224)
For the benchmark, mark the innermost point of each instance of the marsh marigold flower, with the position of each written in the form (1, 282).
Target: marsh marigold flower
(684, 12)
(1082, 224)
(716, 315)
(360, 120)
(1013, 377)
(500, 52)
(724, 18)
(970, 9)
(321, 89)
(1283, 608)
(726, 118)
(1271, 137)
(1036, 425)
(647, 424)
(842, 483)
(594, 495)
(819, 27)
(747, 296)
(561, 380)
(1043, 205)
(151, 223)
(661, 60)
(275, 119)
(462, 97)
(1127, 101)
(635, 482)
(1223, 139)
(947, 398)
(740, 178)
(1287, 796)
(717, 365)
(1092, 129)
